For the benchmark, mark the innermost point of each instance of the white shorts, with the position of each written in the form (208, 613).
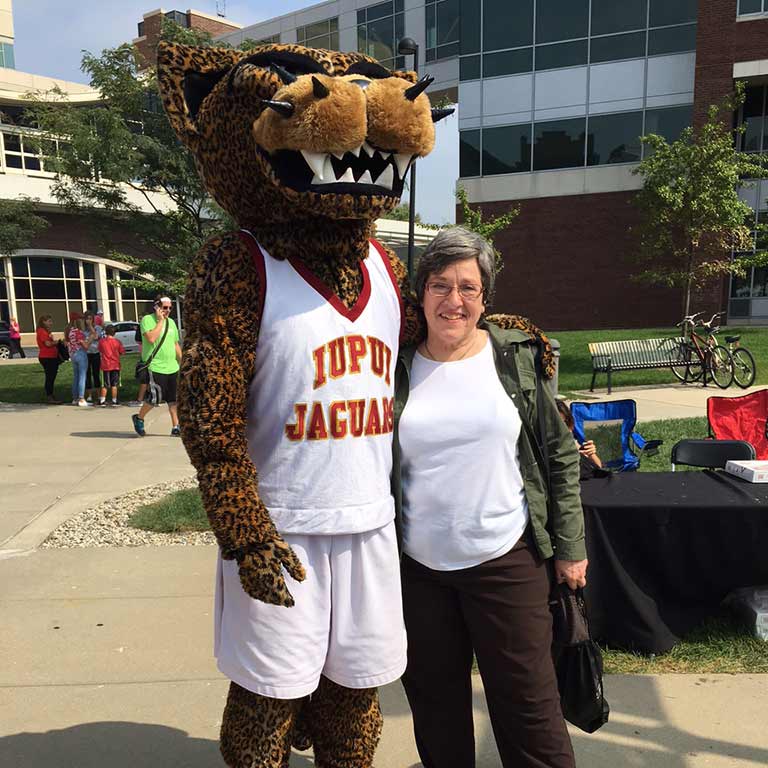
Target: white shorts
(347, 623)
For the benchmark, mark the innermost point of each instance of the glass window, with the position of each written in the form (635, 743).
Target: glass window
(760, 282)
(559, 144)
(12, 142)
(612, 16)
(88, 270)
(517, 28)
(13, 161)
(752, 112)
(561, 55)
(322, 34)
(469, 68)
(507, 149)
(442, 29)
(25, 315)
(71, 269)
(19, 264)
(614, 138)
(48, 289)
(21, 288)
(469, 25)
(561, 20)
(741, 286)
(617, 47)
(668, 122)
(74, 290)
(90, 290)
(672, 40)
(56, 309)
(665, 12)
(750, 6)
(9, 60)
(507, 62)
(43, 267)
(129, 310)
(379, 35)
(469, 153)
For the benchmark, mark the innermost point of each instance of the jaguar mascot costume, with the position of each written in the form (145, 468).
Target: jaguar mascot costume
(292, 330)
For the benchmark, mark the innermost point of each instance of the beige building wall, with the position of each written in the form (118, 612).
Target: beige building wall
(6, 21)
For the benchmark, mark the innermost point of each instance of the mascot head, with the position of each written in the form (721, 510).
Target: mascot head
(283, 133)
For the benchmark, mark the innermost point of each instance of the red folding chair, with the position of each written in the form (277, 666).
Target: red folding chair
(741, 418)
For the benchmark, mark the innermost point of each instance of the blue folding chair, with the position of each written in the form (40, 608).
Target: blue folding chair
(633, 445)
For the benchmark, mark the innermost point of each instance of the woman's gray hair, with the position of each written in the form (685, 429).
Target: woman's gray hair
(454, 244)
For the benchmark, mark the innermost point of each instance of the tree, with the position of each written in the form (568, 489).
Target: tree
(691, 217)
(473, 219)
(19, 225)
(402, 213)
(121, 159)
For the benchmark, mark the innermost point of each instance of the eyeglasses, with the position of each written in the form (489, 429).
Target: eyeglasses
(165, 306)
(466, 290)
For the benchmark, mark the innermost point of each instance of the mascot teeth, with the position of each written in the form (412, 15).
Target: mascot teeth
(402, 162)
(386, 177)
(316, 161)
(365, 178)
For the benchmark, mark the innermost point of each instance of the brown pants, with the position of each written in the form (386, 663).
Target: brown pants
(498, 610)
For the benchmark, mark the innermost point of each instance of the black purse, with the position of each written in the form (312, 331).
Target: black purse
(578, 661)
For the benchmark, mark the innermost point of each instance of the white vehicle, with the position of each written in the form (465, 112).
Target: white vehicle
(125, 332)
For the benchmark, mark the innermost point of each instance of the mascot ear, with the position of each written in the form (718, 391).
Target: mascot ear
(185, 76)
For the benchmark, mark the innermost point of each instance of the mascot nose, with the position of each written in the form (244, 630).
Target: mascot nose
(361, 83)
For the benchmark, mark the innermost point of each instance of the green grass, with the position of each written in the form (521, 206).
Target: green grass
(607, 441)
(722, 644)
(178, 512)
(23, 383)
(576, 363)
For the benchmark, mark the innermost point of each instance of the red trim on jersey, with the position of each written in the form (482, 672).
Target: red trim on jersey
(388, 264)
(316, 283)
(252, 244)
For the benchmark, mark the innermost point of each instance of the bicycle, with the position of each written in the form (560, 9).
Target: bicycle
(744, 367)
(698, 356)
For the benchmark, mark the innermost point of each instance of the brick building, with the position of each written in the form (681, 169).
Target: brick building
(149, 28)
(553, 97)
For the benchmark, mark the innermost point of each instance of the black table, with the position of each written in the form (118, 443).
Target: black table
(665, 548)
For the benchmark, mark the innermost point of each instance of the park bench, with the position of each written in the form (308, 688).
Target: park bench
(631, 355)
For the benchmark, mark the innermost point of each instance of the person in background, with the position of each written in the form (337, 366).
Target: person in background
(587, 449)
(478, 525)
(98, 318)
(110, 350)
(165, 350)
(94, 333)
(77, 344)
(48, 355)
(14, 332)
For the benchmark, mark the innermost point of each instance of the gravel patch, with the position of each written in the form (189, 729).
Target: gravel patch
(106, 525)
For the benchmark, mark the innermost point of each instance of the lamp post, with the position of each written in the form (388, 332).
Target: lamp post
(409, 47)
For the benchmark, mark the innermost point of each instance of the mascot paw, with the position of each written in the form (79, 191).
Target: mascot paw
(261, 572)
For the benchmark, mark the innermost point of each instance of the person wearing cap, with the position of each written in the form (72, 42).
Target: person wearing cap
(98, 318)
(160, 342)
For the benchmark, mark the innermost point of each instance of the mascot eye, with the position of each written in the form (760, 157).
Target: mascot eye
(285, 64)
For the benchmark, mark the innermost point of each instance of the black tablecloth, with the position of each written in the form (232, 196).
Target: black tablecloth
(665, 549)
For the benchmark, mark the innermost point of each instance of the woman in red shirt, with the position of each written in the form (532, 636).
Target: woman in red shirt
(48, 355)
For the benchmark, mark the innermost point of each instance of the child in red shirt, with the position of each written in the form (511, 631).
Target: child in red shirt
(110, 349)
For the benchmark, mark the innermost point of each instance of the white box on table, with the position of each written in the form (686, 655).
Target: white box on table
(753, 471)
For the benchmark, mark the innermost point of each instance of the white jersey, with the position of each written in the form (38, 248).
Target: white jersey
(321, 403)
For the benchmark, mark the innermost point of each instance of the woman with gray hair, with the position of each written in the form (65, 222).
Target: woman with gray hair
(477, 526)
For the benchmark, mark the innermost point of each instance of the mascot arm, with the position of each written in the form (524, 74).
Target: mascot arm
(222, 313)
(413, 328)
(521, 323)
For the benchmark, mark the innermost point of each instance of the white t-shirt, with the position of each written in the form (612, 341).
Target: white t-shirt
(463, 496)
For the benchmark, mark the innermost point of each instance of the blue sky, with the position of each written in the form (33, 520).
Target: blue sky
(51, 35)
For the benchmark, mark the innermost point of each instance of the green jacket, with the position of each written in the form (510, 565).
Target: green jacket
(557, 523)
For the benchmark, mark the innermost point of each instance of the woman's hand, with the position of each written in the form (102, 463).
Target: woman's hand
(588, 449)
(571, 572)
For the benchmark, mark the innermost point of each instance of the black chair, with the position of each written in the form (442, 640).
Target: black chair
(711, 454)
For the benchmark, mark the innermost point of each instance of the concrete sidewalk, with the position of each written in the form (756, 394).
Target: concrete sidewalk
(676, 401)
(107, 662)
(59, 460)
